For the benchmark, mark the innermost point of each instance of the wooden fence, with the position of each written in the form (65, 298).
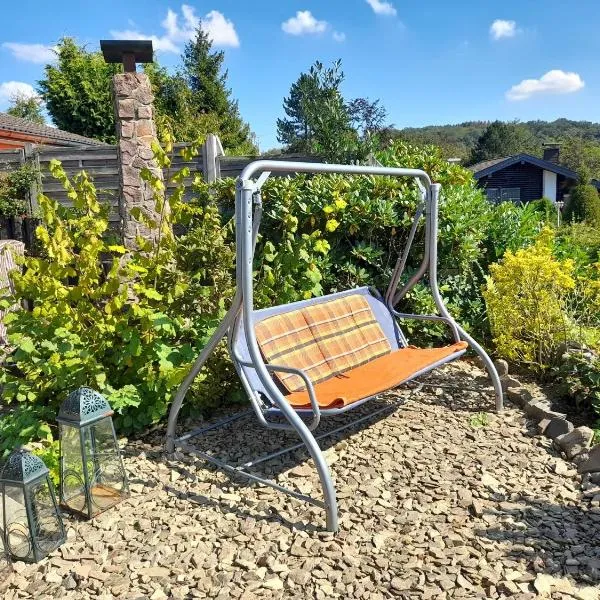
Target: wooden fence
(101, 164)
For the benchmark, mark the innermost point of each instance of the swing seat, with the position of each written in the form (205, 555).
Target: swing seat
(349, 346)
(377, 376)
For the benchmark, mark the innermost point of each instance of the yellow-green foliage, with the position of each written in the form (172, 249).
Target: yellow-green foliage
(526, 296)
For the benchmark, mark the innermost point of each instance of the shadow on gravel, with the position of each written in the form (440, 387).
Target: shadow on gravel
(553, 539)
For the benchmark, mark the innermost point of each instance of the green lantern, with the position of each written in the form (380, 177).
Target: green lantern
(31, 523)
(92, 476)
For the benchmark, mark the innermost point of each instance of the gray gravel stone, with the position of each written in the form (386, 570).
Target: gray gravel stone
(576, 441)
(430, 508)
(558, 427)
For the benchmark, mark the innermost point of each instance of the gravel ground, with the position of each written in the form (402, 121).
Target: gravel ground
(436, 501)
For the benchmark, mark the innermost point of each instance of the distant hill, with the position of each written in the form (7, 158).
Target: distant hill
(457, 140)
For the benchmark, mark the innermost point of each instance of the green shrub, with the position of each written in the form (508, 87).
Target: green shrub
(580, 242)
(583, 205)
(546, 209)
(578, 382)
(129, 330)
(14, 191)
(526, 298)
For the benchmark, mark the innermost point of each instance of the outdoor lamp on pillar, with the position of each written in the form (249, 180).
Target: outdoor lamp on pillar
(92, 476)
(31, 525)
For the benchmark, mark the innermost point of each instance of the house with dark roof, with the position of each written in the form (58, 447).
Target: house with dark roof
(16, 132)
(522, 178)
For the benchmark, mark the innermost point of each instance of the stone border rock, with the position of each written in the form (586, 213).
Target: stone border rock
(574, 442)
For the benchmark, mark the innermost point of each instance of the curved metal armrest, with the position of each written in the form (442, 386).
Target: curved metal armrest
(448, 322)
(309, 386)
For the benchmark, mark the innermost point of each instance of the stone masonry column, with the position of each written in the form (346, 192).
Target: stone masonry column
(135, 133)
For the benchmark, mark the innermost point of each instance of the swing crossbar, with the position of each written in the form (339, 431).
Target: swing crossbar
(183, 444)
(270, 386)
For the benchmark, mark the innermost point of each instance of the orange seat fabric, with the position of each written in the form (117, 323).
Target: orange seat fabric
(379, 375)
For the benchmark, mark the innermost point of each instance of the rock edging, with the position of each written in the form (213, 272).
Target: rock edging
(574, 442)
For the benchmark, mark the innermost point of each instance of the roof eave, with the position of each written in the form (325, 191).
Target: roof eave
(538, 162)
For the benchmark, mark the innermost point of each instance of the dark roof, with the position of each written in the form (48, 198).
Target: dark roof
(49, 135)
(488, 167)
(484, 164)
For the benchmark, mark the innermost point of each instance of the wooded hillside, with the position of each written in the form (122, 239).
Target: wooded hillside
(458, 140)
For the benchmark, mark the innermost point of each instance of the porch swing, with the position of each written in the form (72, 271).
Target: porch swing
(323, 356)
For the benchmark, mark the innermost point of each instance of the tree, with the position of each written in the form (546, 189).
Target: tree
(192, 102)
(202, 70)
(578, 153)
(367, 117)
(584, 202)
(319, 121)
(26, 107)
(503, 139)
(296, 131)
(77, 91)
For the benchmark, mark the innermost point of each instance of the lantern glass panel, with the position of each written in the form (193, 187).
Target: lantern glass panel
(72, 478)
(106, 476)
(47, 527)
(15, 523)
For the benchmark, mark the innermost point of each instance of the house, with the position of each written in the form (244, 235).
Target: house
(16, 133)
(522, 178)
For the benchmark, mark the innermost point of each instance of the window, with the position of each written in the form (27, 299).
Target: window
(497, 195)
(511, 194)
(493, 194)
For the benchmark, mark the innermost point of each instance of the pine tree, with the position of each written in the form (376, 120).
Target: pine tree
(207, 80)
(296, 130)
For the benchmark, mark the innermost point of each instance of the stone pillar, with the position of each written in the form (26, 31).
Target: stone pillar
(135, 133)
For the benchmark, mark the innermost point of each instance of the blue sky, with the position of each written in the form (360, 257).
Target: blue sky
(430, 62)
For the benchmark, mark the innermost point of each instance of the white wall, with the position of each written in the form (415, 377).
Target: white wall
(550, 185)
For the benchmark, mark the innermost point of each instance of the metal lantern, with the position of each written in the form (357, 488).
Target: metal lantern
(92, 477)
(31, 523)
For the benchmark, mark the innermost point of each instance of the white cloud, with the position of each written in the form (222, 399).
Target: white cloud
(553, 82)
(304, 23)
(35, 53)
(339, 36)
(382, 8)
(503, 29)
(9, 90)
(219, 29)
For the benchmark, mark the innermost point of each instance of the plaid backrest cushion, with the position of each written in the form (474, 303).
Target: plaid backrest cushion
(287, 340)
(323, 339)
(347, 332)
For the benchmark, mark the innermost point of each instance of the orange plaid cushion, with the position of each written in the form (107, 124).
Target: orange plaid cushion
(287, 340)
(323, 339)
(347, 332)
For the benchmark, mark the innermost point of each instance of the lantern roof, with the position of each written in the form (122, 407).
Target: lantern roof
(22, 466)
(84, 406)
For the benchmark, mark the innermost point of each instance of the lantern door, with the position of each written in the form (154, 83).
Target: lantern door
(45, 523)
(14, 522)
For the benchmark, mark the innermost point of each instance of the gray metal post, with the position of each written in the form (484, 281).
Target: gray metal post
(434, 193)
(244, 258)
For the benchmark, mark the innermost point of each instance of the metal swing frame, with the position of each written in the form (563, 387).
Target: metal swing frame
(238, 324)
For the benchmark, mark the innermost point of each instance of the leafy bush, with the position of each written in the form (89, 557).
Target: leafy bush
(578, 382)
(580, 242)
(14, 191)
(526, 295)
(583, 205)
(129, 328)
(547, 210)
(512, 227)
